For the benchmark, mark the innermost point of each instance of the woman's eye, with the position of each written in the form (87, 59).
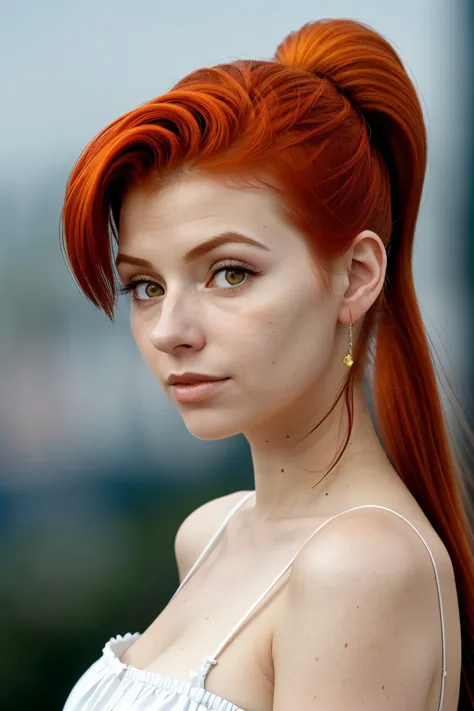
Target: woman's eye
(232, 276)
(150, 290)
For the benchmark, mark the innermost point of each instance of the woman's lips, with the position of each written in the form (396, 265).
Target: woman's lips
(197, 391)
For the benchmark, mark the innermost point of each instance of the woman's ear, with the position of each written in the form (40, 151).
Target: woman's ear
(366, 266)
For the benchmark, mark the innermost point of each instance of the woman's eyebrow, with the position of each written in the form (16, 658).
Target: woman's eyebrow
(199, 251)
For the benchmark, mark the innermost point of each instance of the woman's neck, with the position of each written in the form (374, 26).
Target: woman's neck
(290, 474)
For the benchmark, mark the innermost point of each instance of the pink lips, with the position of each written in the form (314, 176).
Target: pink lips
(197, 391)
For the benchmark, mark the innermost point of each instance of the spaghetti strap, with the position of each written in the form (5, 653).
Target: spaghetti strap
(214, 537)
(212, 660)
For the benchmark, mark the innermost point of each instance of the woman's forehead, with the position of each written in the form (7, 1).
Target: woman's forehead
(195, 191)
(194, 206)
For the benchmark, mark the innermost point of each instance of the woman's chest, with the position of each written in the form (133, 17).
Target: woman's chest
(212, 616)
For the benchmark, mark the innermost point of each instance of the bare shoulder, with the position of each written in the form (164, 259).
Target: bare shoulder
(365, 540)
(199, 526)
(361, 619)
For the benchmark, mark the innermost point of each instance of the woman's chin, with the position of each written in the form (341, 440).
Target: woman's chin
(210, 425)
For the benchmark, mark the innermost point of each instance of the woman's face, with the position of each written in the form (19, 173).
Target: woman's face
(272, 333)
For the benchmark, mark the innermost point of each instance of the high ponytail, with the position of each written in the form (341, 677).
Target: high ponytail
(334, 122)
(364, 67)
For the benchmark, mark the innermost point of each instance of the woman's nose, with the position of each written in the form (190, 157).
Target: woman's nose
(178, 325)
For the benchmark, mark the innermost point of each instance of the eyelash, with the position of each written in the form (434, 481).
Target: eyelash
(223, 266)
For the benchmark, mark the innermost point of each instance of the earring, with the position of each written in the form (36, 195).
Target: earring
(347, 360)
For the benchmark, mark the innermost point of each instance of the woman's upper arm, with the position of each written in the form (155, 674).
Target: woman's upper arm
(360, 628)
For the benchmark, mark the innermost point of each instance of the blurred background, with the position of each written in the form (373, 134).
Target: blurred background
(97, 470)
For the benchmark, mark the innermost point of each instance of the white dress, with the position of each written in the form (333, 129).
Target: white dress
(110, 685)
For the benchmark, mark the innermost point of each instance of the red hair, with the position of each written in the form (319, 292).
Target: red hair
(334, 122)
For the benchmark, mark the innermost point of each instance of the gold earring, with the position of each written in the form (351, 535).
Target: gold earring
(347, 360)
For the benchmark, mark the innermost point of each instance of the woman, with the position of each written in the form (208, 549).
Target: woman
(264, 213)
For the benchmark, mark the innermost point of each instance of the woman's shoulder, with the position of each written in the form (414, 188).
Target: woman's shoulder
(362, 538)
(199, 526)
(371, 537)
(373, 578)
(361, 601)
